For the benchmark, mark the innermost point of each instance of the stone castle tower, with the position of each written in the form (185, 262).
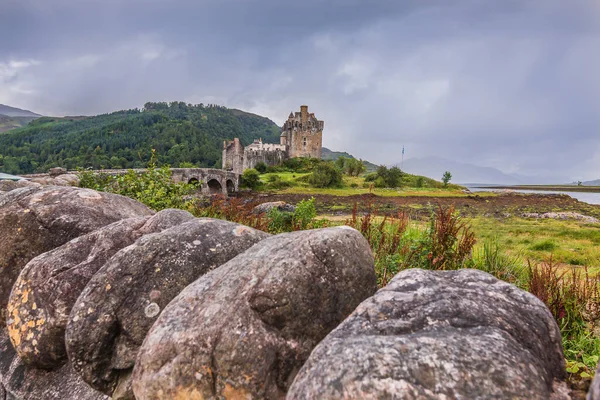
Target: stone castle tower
(301, 136)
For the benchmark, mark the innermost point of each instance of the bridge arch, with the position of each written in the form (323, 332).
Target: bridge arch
(214, 186)
(230, 185)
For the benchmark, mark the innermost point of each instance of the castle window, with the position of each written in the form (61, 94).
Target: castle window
(304, 142)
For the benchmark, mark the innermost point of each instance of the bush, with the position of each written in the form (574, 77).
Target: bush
(261, 167)
(154, 187)
(275, 182)
(447, 244)
(419, 182)
(573, 297)
(325, 175)
(385, 177)
(251, 178)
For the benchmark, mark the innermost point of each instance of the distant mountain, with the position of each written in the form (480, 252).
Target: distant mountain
(8, 123)
(595, 182)
(463, 173)
(327, 154)
(16, 112)
(12, 118)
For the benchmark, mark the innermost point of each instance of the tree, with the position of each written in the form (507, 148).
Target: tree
(446, 178)
(340, 163)
(394, 178)
(354, 167)
(251, 178)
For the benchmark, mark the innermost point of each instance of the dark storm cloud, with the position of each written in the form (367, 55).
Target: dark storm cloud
(509, 84)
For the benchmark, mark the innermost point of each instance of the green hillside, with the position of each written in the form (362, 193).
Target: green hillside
(8, 123)
(179, 132)
(327, 154)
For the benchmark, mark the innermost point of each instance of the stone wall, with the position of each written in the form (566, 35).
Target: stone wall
(268, 153)
(233, 156)
(303, 134)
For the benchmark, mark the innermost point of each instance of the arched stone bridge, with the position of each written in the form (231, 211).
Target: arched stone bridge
(212, 180)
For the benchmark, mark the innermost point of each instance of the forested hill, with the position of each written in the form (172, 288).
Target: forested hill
(180, 133)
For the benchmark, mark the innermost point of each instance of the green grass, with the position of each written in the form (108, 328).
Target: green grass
(353, 186)
(568, 242)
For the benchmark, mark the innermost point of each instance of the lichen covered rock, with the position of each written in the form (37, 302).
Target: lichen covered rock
(20, 382)
(49, 285)
(244, 329)
(120, 303)
(443, 334)
(34, 220)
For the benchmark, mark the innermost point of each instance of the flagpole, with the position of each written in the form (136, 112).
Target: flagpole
(402, 162)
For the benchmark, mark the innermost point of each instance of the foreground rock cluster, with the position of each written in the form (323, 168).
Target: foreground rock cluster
(102, 297)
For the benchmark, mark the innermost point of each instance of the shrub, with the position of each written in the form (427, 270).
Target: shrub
(385, 177)
(251, 178)
(325, 175)
(261, 167)
(384, 237)
(447, 244)
(153, 187)
(419, 182)
(380, 182)
(573, 297)
(275, 182)
(545, 245)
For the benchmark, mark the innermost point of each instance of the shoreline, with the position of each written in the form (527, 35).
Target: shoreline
(554, 188)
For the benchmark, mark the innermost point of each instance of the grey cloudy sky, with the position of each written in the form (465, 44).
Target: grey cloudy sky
(511, 84)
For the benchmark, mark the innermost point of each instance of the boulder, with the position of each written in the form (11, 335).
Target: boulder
(243, 330)
(18, 381)
(111, 317)
(66, 180)
(7, 186)
(439, 334)
(280, 205)
(594, 390)
(34, 220)
(49, 285)
(56, 171)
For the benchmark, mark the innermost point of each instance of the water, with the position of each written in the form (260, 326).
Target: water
(587, 197)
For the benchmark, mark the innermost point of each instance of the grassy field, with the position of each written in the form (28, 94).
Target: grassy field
(356, 186)
(568, 242)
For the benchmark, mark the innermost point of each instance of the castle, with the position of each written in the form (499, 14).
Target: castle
(301, 136)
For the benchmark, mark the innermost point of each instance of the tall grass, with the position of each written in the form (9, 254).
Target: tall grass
(573, 297)
(385, 236)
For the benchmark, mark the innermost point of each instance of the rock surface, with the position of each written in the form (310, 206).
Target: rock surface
(280, 205)
(17, 381)
(430, 335)
(563, 215)
(243, 330)
(120, 303)
(49, 285)
(34, 220)
(594, 391)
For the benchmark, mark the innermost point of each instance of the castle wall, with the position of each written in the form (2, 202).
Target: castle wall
(303, 134)
(233, 156)
(270, 154)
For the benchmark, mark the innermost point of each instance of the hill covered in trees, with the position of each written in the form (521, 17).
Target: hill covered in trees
(182, 134)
